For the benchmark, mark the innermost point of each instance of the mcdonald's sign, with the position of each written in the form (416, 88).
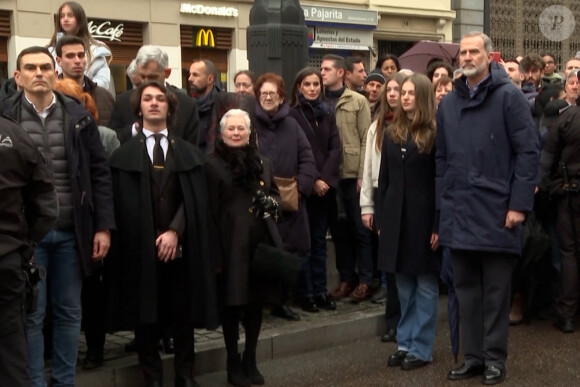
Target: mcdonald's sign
(204, 38)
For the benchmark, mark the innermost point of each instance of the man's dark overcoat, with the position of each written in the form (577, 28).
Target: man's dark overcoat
(132, 267)
(487, 157)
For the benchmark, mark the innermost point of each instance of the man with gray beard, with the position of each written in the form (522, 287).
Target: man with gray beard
(487, 157)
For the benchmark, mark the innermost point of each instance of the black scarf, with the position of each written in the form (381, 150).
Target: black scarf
(205, 102)
(244, 162)
(317, 105)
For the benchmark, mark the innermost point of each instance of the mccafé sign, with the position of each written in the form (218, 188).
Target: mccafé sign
(106, 30)
(204, 38)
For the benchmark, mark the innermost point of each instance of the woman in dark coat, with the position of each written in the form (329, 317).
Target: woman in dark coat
(406, 220)
(283, 141)
(319, 125)
(234, 175)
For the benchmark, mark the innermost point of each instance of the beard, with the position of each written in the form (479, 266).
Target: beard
(471, 72)
(198, 89)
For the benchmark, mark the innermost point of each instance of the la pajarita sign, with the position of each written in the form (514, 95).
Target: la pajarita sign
(105, 30)
(324, 14)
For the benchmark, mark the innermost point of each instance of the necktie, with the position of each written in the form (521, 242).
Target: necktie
(158, 155)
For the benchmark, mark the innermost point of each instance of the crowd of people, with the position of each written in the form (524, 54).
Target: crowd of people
(147, 210)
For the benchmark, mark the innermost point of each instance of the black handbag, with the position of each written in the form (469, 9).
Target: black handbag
(271, 265)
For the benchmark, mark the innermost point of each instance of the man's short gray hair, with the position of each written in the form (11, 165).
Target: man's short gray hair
(235, 113)
(487, 44)
(132, 68)
(149, 53)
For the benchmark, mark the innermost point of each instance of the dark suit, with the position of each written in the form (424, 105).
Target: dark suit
(147, 294)
(186, 124)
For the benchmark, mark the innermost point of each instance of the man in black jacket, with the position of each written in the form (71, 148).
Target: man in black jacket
(161, 269)
(71, 56)
(67, 137)
(560, 171)
(26, 184)
(212, 103)
(72, 59)
(153, 65)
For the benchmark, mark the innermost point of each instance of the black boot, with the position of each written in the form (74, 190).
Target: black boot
(236, 374)
(251, 369)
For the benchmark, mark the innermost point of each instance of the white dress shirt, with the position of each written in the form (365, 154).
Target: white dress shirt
(150, 142)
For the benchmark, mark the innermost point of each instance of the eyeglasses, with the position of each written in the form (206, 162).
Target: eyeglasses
(266, 94)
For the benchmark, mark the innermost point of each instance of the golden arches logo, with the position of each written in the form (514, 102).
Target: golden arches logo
(204, 38)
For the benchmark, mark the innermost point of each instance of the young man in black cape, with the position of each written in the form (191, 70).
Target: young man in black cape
(161, 272)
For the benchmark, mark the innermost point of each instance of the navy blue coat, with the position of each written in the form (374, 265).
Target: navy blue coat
(487, 162)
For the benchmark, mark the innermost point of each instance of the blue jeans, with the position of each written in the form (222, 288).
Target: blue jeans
(57, 257)
(419, 298)
(320, 212)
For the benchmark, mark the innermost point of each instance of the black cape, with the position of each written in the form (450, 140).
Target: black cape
(133, 260)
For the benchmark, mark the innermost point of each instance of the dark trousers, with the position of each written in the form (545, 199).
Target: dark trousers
(147, 339)
(568, 294)
(482, 284)
(353, 242)
(93, 309)
(13, 348)
(173, 315)
(321, 212)
(392, 306)
(251, 317)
